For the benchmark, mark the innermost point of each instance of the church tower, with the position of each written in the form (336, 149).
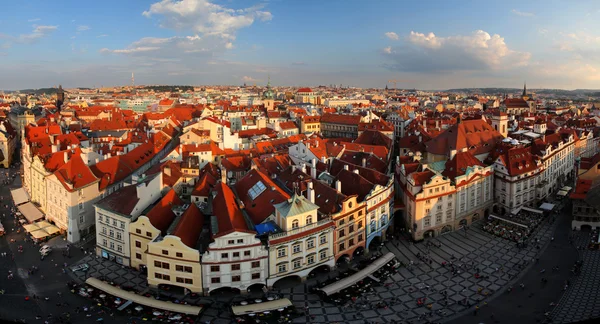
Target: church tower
(500, 123)
(269, 97)
(60, 97)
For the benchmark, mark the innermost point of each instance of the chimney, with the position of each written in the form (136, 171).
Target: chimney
(313, 169)
(338, 186)
(364, 163)
(452, 154)
(54, 149)
(311, 192)
(224, 176)
(293, 168)
(303, 167)
(167, 171)
(66, 157)
(355, 171)
(346, 167)
(323, 159)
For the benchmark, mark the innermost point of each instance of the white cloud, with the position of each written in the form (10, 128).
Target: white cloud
(44, 29)
(249, 79)
(522, 13)
(34, 20)
(543, 31)
(392, 35)
(479, 51)
(102, 35)
(37, 33)
(130, 50)
(82, 28)
(204, 17)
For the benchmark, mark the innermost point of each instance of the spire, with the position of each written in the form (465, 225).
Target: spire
(269, 82)
(524, 89)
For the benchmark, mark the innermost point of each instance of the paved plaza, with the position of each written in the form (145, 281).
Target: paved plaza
(582, 299)
(111, 271)
(497, 258)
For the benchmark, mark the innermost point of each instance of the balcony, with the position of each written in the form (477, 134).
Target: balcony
(300, 229)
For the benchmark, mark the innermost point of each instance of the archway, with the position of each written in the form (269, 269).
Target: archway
(168, 289)
(586, 228)
(463, 222)
(429, 234)
(446, 229)
(287, 282)
(474, 218)
(320, 270)
(486, 213)
(375, 243)
(343, 259)
(225, 291)
(256, 288)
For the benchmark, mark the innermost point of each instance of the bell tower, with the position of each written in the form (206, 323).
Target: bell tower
(60, 97)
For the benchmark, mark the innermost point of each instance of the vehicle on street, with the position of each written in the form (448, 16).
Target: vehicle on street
(44, 250)
(82, 267)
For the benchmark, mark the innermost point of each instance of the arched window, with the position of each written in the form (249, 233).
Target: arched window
(309, 220)
(295, 224)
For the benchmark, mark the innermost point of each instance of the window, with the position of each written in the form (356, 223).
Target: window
(255, 264)
(235, 278)
(111, 233)
(158, 276)
(282, 267)
(112, 245)
(438, 218)
(103, 230)
(80, 206)
(351, 242)
(310, 244)
(189, 281)
(323, 254)
(308, 220)
(341, 247)
(427, 220)
(297, 263)
(138, 231)
(179, 255)
(119, 248)
(310, 259)
(360, 237)
(179, 268)
(360, 224)
(118, 235)
(240, 241)
(296, 248)
(215, 268)
(215, 280)
(99, 218)
(165, 252)
(224, 255)
(123, 225)
(148, 234)
(157, 264)
(230, 242)
(351, 229)
(295, 224)
(281, 253)
(256, 275)
(178, 279)
(323, 239)
(104, 242)
(138, 256)
(235, 267)
(81, 219)
(341, 233)
(165, 265)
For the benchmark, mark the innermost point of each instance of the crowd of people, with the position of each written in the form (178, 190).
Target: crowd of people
(517, 228)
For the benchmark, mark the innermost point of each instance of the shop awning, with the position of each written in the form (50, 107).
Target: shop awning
(566, 188)
(30, 212)
(508, 221)
(39, 234)
(547, 206)
(562, 193)
(19, 196)
(261, 307)
(142, 300)
(351, 280)
(533, 210)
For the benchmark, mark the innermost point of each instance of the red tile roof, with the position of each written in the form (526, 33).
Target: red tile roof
(161, 215)
(288, 125)
(190, 226)
(229, 215)
(340, 119)
(75, 173)
(354, 184)
(261, 206)
(458, 165)
(420, 178)
(305, 90)
(205, 185)
(475, 135)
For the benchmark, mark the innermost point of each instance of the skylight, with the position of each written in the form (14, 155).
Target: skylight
(256, 190)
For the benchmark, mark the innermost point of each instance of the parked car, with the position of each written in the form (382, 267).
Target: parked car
(45, 249)
(82, 267)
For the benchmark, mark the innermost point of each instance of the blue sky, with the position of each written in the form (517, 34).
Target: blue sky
(426, 44)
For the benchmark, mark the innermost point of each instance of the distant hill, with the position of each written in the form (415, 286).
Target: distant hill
(170, 88)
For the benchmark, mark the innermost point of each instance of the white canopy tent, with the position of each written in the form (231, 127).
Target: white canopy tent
(19, 196)
(30, 212)
(261, 307)
(351, 280)
(547, 206)
(562, 193)
(533, 210)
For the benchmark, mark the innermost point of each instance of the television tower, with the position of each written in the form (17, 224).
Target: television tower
(132, 80)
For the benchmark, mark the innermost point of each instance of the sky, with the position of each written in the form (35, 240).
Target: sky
(422, 44)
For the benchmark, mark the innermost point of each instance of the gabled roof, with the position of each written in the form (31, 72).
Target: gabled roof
(229, 215)
(205, 185)
(161, 215)
(75, 173)
(458, 165)
(190, 226)
(475, 135)
(259, 207)
(296, 205)
(354, 184)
